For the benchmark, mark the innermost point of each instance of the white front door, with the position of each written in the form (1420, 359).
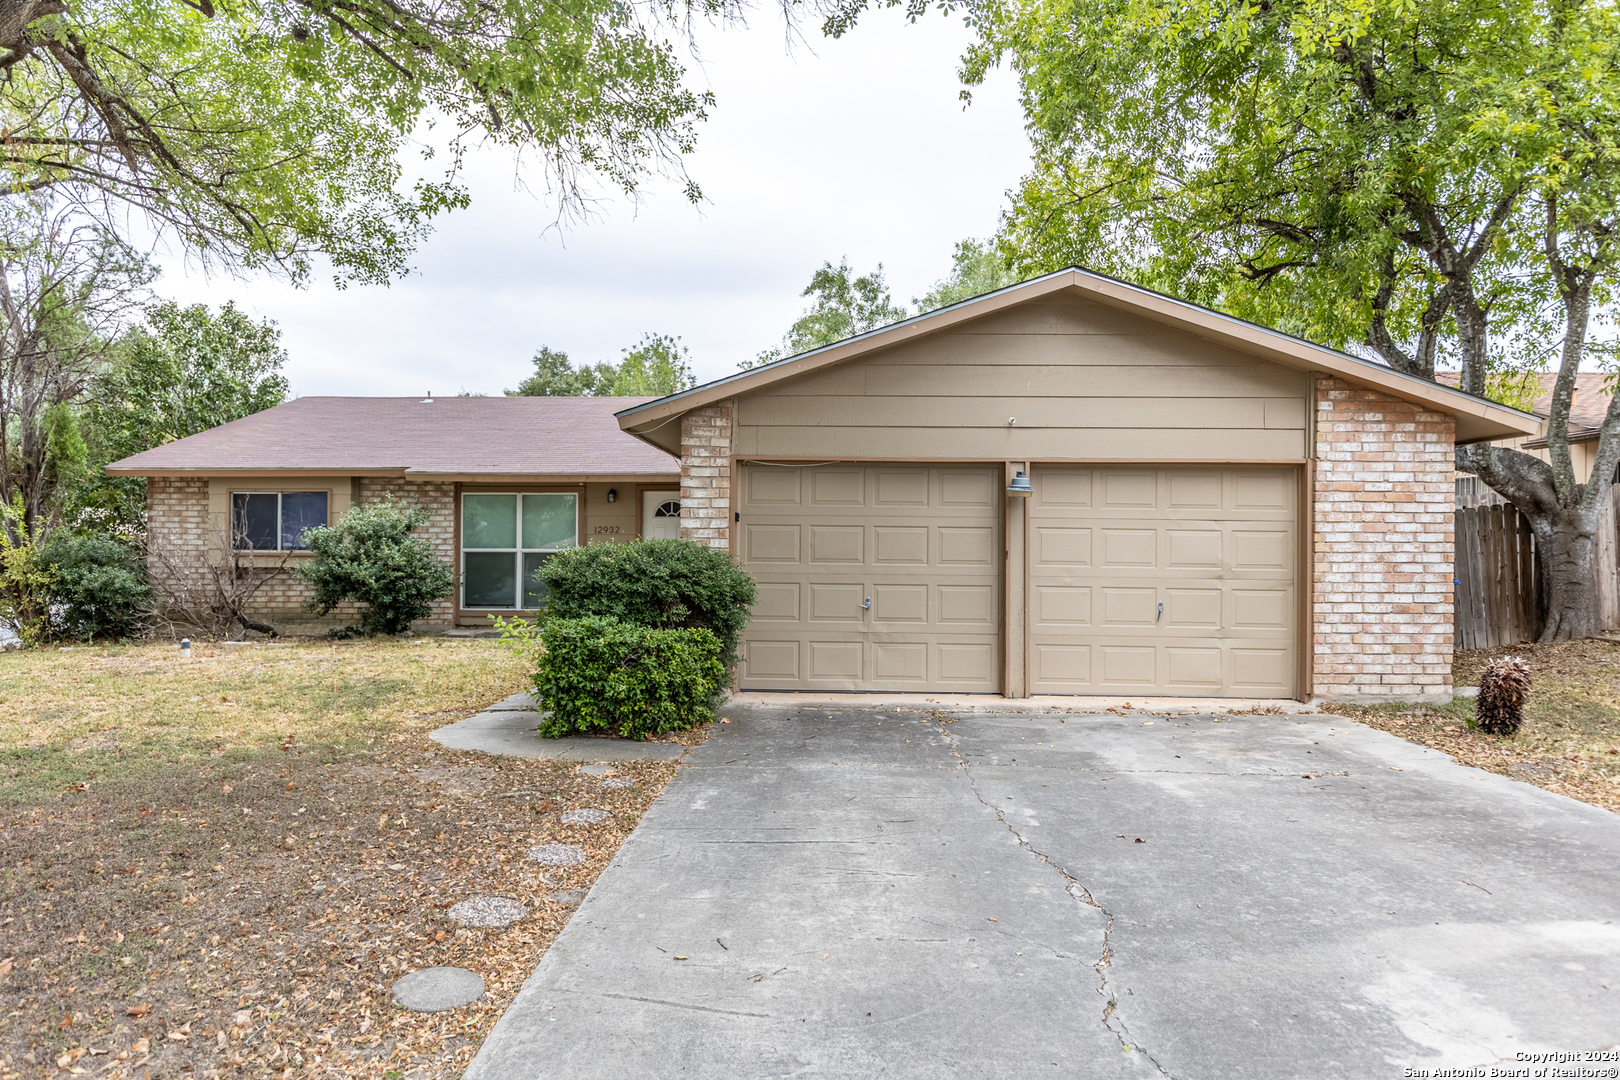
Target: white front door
(660, 515)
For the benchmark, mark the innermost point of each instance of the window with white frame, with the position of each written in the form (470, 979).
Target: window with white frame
(275, 520)
(506, 538)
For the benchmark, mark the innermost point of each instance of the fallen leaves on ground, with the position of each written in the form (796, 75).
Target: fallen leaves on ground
(1570, 741)
(264, 906)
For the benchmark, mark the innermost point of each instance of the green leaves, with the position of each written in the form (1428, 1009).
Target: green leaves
(265, 132)
(597, 674)
(370, 556)
(657, 366)
(844, 306)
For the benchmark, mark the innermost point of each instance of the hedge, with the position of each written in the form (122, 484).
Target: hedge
(666, 584)
(599, 674)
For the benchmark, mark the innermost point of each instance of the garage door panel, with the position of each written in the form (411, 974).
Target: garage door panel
(776, 602)
(923, 542)
(771, 544)
(1062, 547)
(837, 487)
(900, 603)
(838, 545)
(900, 545)
(1216, 546)
(837, 602)
(968, 607)
(967, 547)
(1195, 491)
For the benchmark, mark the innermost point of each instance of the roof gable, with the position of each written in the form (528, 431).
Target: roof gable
(1477, 418)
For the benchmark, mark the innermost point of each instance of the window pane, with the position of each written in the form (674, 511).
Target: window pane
(534, 590)
(300, 510)
(253, 521)
(489, 521)
(489, 579)
(549, 521)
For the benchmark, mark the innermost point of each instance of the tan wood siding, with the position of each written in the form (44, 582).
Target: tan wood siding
(922, 544)
(1176, 581)
(1060, 379)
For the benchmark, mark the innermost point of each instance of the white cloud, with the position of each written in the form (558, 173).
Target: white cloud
(859, 148)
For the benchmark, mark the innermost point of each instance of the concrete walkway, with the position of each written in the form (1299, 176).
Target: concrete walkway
(854, 892)
(510, 728)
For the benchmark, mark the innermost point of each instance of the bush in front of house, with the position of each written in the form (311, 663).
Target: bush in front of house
(598, 674)
(370, 555)
(97, 586)
(663, 584)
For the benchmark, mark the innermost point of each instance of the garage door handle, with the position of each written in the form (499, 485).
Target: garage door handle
(1161, 611)
(868, 604)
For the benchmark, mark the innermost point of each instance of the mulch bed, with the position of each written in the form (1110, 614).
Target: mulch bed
(248, 917)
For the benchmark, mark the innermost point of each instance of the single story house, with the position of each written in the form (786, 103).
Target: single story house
(1077, 486)
(507, 481)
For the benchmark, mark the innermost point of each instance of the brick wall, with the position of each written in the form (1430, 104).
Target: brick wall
(1383, 571)
(183, 538)
(706, 476)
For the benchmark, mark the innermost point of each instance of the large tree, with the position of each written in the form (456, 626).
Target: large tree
(658, 365)
(842, 305)
(263, 132)
(1434, 183)
(67, 289)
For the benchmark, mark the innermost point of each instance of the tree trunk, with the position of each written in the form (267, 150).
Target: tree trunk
(1566, 556)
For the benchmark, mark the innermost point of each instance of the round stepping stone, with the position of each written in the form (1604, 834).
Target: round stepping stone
(556, 854)
(618, 782)
(596, 770)
(436, 989)
(587, 816)
(488, 911)
(569, 897)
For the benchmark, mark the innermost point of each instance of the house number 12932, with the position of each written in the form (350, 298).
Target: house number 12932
(606, 530)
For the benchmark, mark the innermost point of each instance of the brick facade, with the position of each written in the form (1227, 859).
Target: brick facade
(1382, 579)
(184, 540)
(706, 512)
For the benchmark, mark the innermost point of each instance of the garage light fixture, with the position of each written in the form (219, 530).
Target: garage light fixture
(1020, 486)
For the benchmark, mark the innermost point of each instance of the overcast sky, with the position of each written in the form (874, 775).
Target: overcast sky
(860, 148)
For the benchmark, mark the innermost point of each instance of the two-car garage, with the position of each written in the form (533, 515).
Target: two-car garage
(1139, 579)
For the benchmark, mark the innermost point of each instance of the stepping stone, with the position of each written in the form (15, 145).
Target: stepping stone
(436, 989)
(556, 854)
(569, 897)
(618, 782)
(588, 816)
(488, 911)
(596, 770)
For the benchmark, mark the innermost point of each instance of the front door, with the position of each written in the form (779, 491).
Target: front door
(660, 515)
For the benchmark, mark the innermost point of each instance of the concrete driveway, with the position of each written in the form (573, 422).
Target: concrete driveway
(851, 892)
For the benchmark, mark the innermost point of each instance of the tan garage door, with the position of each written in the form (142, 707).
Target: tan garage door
(876, 577)
(1176, 581)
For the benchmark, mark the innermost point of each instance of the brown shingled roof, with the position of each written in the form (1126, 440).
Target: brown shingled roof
(455, 436)
(1586, 411)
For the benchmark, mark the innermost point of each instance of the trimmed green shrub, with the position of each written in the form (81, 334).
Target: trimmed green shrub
(599, 674)
(98, 587)
(370, 556)
(665, 584)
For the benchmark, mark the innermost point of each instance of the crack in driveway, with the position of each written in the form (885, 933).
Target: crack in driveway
(1110, 1017)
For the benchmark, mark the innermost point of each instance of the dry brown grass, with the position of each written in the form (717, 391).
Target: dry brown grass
(81, 715)
(1570, 741)
(219, 868)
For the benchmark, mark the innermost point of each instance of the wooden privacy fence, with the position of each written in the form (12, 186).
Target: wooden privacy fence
(1497, 580)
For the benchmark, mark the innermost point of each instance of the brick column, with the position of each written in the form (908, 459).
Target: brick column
(1382, 580)
(706, 476)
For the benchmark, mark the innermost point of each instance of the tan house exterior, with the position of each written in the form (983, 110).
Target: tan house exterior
(1217, 509)
(456, 457)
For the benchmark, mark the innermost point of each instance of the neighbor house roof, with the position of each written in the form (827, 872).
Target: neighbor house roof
(1586, 409)
(443, 438)
(1478, 419)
